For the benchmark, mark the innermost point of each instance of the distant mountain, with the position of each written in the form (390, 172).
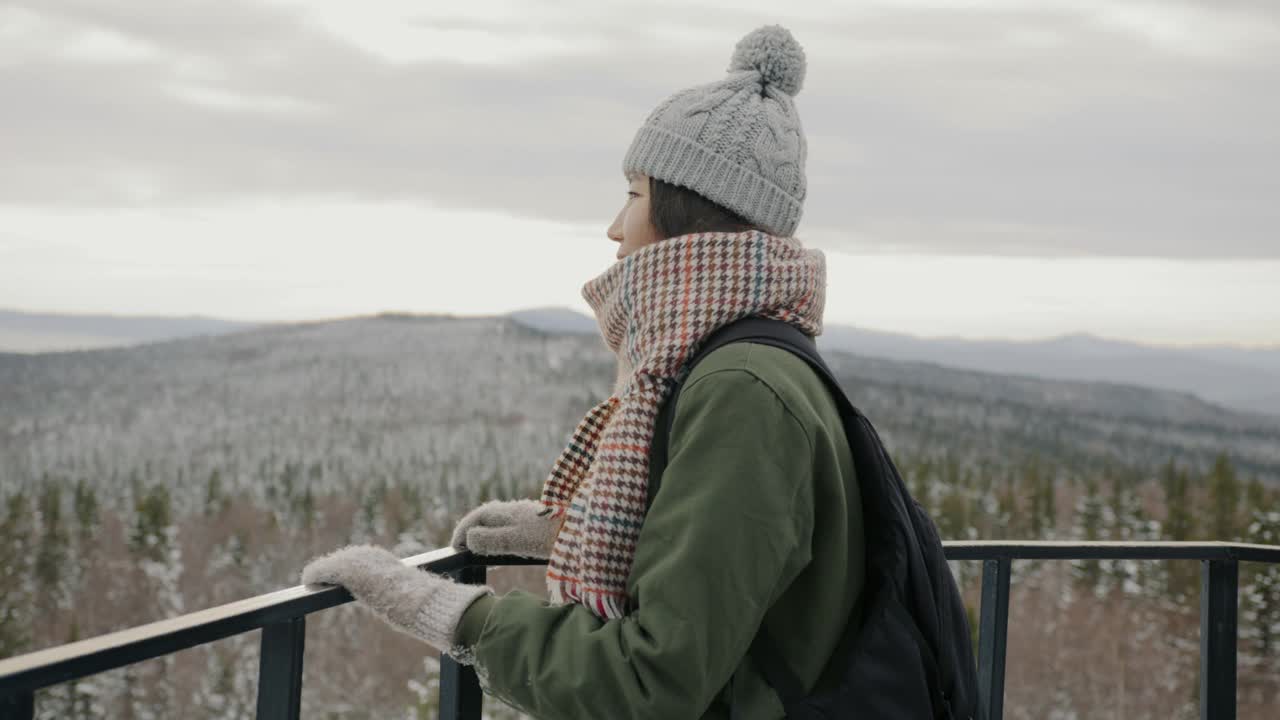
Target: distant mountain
(556, 319)
(390, 396)
(24, 332)
(1241, 378)
(1245, 379)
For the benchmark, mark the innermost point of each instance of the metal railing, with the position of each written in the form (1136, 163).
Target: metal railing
(282, 616)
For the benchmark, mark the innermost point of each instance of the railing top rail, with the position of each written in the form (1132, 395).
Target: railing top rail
(1104, 549)
(124, 647)
(117, 649)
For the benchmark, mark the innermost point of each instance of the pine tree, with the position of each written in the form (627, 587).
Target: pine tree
(1257, 499)
(1049, 502)
(289, 478)
(1089, 524)
(1039, 513)
(153, 514)
(1008, 520)
(153, 540)
(1224, 500)
(1262, 594)
(307, 509)
(214, 499)
(16, 587)
(85, 502)
(371, 522)
(1132, 524)
(1183, 575)
(1126, 522)
(52, 554)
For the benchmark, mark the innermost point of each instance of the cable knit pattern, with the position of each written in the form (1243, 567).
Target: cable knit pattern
(737, 141)
(654, 308)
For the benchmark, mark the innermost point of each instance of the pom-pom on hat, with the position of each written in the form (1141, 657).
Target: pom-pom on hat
(738, 141)
(772, 52)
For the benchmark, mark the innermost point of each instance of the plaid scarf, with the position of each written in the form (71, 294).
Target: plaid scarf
(654, 308)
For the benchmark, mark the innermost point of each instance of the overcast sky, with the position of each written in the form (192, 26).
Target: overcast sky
(977, 169)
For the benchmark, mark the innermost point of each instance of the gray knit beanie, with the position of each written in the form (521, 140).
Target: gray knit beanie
(737, 141)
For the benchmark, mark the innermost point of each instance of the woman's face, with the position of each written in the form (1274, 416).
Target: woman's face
(633, 229)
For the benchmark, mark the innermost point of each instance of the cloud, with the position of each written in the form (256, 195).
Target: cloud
(1050, 128)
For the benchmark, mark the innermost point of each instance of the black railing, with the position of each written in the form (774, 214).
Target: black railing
(282, 616)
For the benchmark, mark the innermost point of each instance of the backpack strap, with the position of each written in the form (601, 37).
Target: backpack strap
(784, 335)
(752, 328)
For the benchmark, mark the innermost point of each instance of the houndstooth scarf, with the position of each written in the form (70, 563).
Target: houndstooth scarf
(654, 308)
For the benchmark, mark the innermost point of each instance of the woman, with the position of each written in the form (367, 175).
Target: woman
(757, 526)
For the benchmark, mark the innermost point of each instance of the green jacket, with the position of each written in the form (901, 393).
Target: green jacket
(757, 524)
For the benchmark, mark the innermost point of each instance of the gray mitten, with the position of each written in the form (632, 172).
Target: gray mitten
(422, 604)
(507, 527)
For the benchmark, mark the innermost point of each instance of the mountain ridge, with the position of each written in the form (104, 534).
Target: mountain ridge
(1233, 376)
(1238, 377)
(370, 379)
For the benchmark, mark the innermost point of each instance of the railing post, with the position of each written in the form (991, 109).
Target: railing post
(20, 705)
(1219, 585)
(460, 694)
(993, 627)
(280, 670)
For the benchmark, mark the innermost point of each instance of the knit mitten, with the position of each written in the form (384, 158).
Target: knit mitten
(507, 527)
(420, 603)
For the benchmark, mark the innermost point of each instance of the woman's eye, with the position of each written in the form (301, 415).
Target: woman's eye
(631, 193)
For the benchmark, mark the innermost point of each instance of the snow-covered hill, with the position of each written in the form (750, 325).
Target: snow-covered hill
(1246, 379)
(496, 399)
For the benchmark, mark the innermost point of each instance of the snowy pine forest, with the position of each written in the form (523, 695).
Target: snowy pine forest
(145, 482)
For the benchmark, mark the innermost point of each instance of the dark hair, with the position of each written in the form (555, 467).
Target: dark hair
(677, 210)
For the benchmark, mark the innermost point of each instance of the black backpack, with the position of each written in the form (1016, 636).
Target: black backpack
(908, 655)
